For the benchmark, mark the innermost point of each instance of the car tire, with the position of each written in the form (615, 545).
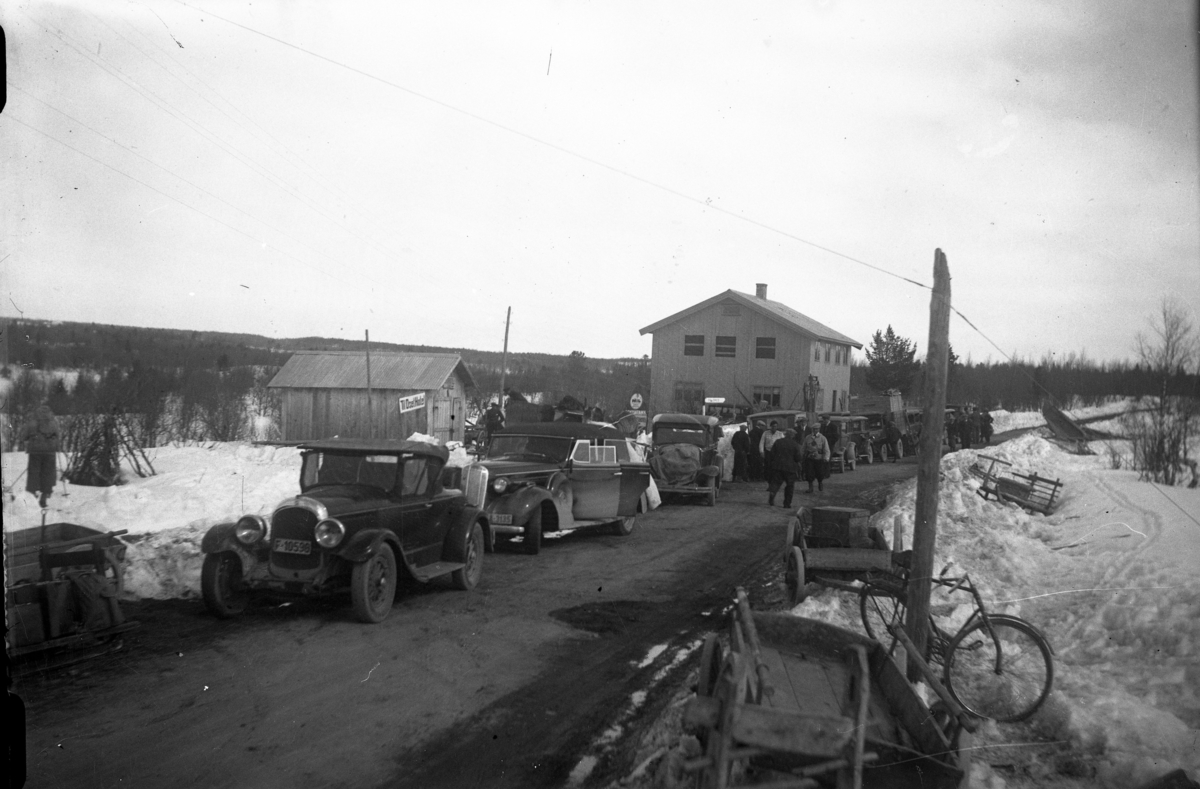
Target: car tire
(624, 527)
(532, 539)
(221, 585)
(468, 577)
(883, 453)
(373, 585)
(870, 454)
(899, 449)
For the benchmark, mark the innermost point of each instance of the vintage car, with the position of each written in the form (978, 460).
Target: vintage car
(544, 477)
(796, 420)
(683, 456)
(368, 510)
(844, 453)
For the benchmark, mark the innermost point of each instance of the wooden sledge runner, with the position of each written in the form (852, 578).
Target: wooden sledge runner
(802, 703)
(1029, 491)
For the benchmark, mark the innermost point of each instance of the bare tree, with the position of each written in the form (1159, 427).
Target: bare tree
(1170, 352)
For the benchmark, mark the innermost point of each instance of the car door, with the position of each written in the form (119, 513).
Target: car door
(635, 478)
(595, 478)
(421, 534)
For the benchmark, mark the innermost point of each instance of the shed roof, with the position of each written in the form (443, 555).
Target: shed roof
(772, 309)
(389, 370)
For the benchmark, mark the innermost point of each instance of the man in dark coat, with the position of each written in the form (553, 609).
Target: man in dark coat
(40, 436)
(755, 458)
(741, 454)
(964, 429)
(784, 462)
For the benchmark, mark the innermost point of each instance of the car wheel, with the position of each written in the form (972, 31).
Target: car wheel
(468, 577)
(532, 540)
(623, 527)
(222, 586)
(899, 449)
(373, 585)
(870, 454)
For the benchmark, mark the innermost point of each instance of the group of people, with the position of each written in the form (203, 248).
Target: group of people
(780, 457)
(969, 427)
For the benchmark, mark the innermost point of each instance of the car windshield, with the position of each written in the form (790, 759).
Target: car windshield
(552, 449)
(680, 434)
(324, 468)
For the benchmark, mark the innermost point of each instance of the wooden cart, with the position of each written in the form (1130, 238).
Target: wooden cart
(835, 546)
(801, 703)
(62, 586)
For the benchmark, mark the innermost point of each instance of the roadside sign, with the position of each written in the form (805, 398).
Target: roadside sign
(412, 402)
(635, 402)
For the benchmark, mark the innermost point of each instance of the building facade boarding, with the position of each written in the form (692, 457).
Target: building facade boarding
(748, 350)
(325, 394)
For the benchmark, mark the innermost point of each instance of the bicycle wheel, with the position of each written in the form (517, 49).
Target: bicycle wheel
(881, 605)
(1005, 675)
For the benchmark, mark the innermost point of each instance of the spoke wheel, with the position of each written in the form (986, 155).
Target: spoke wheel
(373, 585)
(711, 658)
(1004, 674)
(222, 586)
(468, 577)
(881, 605)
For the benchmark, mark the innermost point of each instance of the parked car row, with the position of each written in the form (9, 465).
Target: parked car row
(370, 511)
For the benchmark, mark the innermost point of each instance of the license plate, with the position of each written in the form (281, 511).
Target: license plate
(303, 547)
(502, 520)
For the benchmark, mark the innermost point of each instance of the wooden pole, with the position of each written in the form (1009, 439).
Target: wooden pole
(504, 361)
(370, 410)
(937, 355)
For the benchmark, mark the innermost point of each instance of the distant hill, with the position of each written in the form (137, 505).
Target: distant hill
(96, 346)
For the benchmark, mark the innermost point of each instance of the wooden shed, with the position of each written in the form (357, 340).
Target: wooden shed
(325, 395)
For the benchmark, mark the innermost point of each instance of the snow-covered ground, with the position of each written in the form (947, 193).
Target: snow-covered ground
(1110, 577)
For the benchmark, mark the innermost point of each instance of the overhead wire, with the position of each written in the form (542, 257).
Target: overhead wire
(201, 130)
(239, 231)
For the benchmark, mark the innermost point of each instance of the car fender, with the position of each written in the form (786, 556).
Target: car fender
(364, 544)
(521, 503)
(456, 537)
(222, 539)
(708, 472)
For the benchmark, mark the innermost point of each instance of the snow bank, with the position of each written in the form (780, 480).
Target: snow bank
(1109, 576)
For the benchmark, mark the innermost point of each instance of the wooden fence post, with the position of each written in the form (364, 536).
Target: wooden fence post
(937, 354)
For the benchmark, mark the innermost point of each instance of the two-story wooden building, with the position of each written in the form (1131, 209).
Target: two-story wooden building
(747, 349)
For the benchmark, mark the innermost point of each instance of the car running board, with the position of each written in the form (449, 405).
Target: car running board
(431, 571)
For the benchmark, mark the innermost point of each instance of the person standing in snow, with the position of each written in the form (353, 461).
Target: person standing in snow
(40, 436)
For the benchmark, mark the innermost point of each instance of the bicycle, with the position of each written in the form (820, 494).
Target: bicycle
(996, 666)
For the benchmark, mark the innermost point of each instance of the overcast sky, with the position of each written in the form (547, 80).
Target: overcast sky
(295, 169)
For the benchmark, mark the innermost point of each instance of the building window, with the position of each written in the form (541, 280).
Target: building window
(816, 351)
(689, 397)
(693, 345)
(764, 348)
(726, 346)
(827, 354)
(837, 355)
(768, 395)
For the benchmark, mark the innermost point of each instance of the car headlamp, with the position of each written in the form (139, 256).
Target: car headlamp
(500, 485)
(250, 529)
(329, 533)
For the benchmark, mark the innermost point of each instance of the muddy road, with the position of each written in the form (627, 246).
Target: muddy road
(511, 685)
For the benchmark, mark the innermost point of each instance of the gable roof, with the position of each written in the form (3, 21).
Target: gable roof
(389, 370)
(772, 309)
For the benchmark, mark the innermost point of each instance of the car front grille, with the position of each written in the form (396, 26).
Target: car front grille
(294, 523)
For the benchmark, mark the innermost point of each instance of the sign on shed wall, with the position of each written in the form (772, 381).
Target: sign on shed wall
(412, 402)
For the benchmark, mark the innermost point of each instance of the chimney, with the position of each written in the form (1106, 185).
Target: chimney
(760, 290)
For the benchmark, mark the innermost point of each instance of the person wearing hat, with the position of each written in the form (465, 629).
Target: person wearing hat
(815, 451)
(741, 453)
(784, 462)
(40, 436)
(755, 458)
(769, 437)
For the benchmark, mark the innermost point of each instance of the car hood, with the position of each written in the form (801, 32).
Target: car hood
(341, 499)
(509, 468)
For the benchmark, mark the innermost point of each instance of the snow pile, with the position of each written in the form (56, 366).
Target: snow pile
(1109, 576)
(1004, 421)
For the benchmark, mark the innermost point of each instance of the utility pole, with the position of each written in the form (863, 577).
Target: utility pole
(504, 360)
(930, 458)
(370, 410)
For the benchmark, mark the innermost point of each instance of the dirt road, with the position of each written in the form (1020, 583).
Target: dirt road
(509, 685)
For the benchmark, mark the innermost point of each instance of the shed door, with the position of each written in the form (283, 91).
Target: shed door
(442, 411)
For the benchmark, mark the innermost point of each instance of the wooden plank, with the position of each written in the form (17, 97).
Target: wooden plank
(804, 734)
(847, 559)
(905, 706)
(785, 695)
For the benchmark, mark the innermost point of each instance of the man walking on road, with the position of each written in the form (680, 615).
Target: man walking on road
(741, 454)
(764, 449)
(815, 454)
(784, 462)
